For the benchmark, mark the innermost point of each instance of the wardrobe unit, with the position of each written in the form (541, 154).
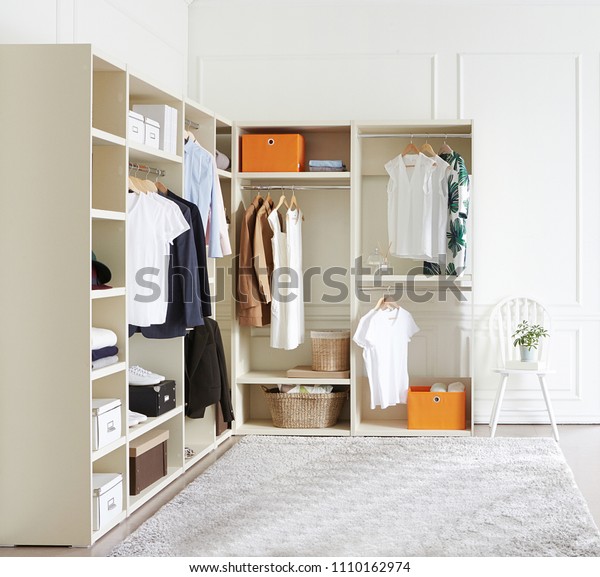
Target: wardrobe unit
(68, 189)
(345, 221)
(325, 201)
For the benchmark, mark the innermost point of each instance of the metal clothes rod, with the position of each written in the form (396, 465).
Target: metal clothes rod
(292, 187)
(193, 125)
(415, 135)
(146, 169)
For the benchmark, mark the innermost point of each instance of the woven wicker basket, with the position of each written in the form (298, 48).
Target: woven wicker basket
(330, 350)
(304, 410)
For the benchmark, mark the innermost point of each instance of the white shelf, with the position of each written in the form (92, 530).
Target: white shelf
(152, 422)
(276, 377)
(109, 526)
(103, 138)
(266, 427)
(421, 279)
(223, 173)
(223, 437)
(110, 370)
(103, 451)
(142, 153)
(136, 501)
(200, 452)
(399, 428)
(98, 214)
(299, 177)
(108, 293)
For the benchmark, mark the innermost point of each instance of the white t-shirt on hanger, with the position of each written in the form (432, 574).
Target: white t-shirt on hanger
(153, 223)
(384, 337)
(409, 205)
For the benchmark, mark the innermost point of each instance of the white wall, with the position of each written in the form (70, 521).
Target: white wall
(148, 35)
(527, 73)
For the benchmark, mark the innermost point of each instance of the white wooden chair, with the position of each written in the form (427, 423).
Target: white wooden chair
(505, 317)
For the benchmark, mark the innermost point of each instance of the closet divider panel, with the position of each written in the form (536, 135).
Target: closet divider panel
(45, 433)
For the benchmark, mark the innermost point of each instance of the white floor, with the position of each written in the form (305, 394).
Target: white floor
(579, 443)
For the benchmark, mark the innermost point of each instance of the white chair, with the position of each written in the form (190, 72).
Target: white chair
(505, 317)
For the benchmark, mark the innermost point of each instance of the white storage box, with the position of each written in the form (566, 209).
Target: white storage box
(152, 133)
(166, 116)
(106, 422)
(107, 497)
(136, 130)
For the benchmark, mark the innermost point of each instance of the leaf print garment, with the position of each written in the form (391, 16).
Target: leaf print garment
(459, 190)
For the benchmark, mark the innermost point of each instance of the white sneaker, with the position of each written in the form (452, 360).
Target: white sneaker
(140, 376)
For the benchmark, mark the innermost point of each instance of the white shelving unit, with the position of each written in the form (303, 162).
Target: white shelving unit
(74, 198)
(346, 218)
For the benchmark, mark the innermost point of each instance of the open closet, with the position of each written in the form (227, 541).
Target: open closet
(79, 191)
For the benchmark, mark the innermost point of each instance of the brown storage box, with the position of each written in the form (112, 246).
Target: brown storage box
(147, 460)
(272, 153)
(306, 372)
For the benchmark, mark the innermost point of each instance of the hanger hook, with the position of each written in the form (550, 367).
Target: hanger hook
(411, 138)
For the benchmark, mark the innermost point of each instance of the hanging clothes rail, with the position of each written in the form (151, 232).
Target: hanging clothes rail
(146, 169)
(293, 187)
(415, 135)
(191, 124)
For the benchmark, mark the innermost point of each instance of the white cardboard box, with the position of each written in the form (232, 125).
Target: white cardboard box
(136, 130)
(106, 422)
(153, 133)
(166, 116)
(107, 497)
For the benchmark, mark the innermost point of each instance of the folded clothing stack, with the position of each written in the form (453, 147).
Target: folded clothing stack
(326, 166)
(312, 389)
(104, 348)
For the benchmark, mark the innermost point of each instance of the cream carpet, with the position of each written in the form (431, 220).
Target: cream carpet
(408, 497)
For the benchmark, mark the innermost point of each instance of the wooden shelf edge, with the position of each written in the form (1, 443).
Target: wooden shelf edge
(109, 527)
(277, 377)
(103, 451)
(136, 501)
(110, 370)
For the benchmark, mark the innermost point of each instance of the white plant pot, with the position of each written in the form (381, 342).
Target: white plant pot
(528, 355)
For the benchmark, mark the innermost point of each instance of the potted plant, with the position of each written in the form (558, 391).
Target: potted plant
(527, 337)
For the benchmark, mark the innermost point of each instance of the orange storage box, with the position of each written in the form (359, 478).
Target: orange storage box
(436, 411)
(272, 153)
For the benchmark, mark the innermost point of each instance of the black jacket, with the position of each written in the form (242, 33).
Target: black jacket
(206, 381)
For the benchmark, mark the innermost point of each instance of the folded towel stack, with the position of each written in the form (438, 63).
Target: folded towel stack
(326, 166)
(104, 348)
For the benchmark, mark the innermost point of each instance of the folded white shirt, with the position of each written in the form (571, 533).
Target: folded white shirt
(105, 362)
(103, 338)
(438, 388)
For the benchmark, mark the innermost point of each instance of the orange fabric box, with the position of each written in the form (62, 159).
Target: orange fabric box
(272, 153)
(435, 411)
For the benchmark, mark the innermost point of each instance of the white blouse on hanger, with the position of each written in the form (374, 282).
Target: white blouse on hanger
(410, 206)
(439, 208)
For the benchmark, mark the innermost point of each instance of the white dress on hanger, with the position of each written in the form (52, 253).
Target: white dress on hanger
(409, 206)
(287, 295)
(295, 324)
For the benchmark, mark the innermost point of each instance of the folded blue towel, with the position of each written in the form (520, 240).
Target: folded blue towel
(328, 163)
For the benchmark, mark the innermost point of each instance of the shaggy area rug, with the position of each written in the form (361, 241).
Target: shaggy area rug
(375, 497)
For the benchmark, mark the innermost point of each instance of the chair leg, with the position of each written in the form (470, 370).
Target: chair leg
(498, 404)
(495, 403)
(548, 406)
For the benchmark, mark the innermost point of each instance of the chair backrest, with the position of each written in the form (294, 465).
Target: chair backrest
(505, 317)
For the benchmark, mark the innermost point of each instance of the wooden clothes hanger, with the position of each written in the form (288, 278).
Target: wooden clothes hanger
(281, 201)
(294, 203)
(160, 186)
(445, 149)
(410, 149)
(427, 149)
(138, 184)
(150, 186)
